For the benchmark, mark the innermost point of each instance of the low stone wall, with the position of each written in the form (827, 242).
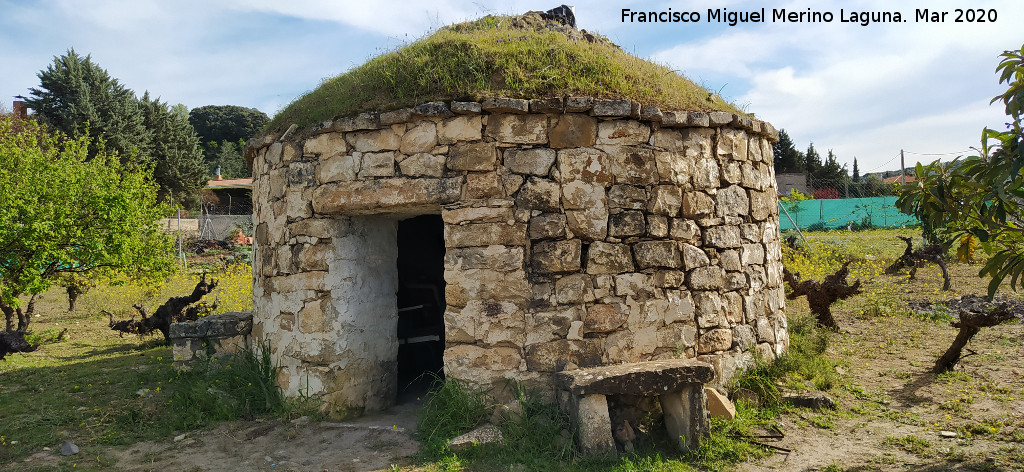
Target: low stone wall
(209, 337)
(579, 232)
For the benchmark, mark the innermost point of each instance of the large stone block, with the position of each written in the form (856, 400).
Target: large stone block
(375, 141)
(553, 356)
(547, 226)
(664, 254)
(632, 165)
(673, 167)
(499, 258)
(706, 174)
(377, 164)
(608, 258)
(460, 128)
(484, 185)
(574, 289)
(722, 237)
(732, 201)
(382, 195)
(473, 156)
(714, 340)
(518, 129)
(584, 164)
(464, 286)
(626, 224)
(325, 146)
(731, 145)
(763, 204)
(554, 257)
(539, 194)
(535, 161)
(341, 168)
(547, 326)
(481, 364)
(625, 132)
(665, 200)
(573, 130)
(423, 165)
(628, 197)
(456, 216)
(485, 234)
(706, 278)
(420, 138)
(698, 205)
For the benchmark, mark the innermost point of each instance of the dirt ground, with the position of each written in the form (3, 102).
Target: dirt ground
(894, 414)
(379, 442)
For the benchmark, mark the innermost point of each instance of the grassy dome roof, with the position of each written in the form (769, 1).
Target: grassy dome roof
(524, 56)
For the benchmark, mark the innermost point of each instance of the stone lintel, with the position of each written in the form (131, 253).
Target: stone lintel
(638, 378)
(385, 195)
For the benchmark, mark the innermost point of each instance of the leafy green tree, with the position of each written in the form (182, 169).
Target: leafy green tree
(217, 124)
(79, 98)
(228, 157)
(787, 158)
(178, 160)
(981, 198)
(64, 213)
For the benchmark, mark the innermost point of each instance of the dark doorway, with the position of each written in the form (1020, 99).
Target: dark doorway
(420, 304)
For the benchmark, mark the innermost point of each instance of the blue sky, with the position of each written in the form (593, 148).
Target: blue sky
(864, 91)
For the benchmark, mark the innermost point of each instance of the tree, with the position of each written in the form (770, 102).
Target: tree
(856, 171)
(979, 198)
(64, 213)
(787, 158)
(228, 157)
(812, 161)
(79, 98)
(177, 157)
(217, 124)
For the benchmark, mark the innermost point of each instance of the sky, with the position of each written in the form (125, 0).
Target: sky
(864, 91)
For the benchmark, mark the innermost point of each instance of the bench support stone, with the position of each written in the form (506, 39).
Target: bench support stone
(678, 384)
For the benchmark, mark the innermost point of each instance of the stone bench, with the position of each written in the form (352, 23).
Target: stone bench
(678, 384)
(212, 336)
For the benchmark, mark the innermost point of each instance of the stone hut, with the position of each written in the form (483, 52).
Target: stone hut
(509, 239)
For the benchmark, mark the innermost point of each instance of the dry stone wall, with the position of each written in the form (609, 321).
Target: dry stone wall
(578, 232)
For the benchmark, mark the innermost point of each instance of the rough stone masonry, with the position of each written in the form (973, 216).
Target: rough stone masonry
(578, 232)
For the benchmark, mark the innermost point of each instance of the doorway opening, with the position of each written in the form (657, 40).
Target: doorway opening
(420, 305)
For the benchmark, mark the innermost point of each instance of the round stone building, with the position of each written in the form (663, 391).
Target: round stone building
(497, 239)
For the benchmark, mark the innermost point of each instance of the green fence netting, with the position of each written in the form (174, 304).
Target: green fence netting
(879, 212)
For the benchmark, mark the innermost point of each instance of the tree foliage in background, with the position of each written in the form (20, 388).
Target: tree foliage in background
(220, 128)
(80, 99)
(176, 155)
(787, 159)
(65, 213)
(979, 198)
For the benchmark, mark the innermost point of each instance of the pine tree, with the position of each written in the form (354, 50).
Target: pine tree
(79, 98)
(787, 159)
(177, 157)
(812, 161)
(856, 171)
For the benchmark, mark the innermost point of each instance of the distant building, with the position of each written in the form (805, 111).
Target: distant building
(791, 181)
(228, 196)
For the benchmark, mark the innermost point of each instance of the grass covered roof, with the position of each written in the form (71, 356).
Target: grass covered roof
(524, 56)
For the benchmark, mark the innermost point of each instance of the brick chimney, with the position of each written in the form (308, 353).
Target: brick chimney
(20, 110)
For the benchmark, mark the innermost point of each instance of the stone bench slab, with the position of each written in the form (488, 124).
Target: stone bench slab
(638, 378)
(224, 325)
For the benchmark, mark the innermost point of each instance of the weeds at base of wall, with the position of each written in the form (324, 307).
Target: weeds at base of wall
(239, 386)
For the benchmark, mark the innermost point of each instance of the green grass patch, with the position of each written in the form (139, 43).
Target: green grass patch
(911, 444)
(495, 56)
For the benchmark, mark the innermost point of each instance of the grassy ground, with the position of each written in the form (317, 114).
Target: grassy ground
(96, 388)
(492, 57)
(103, 391)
